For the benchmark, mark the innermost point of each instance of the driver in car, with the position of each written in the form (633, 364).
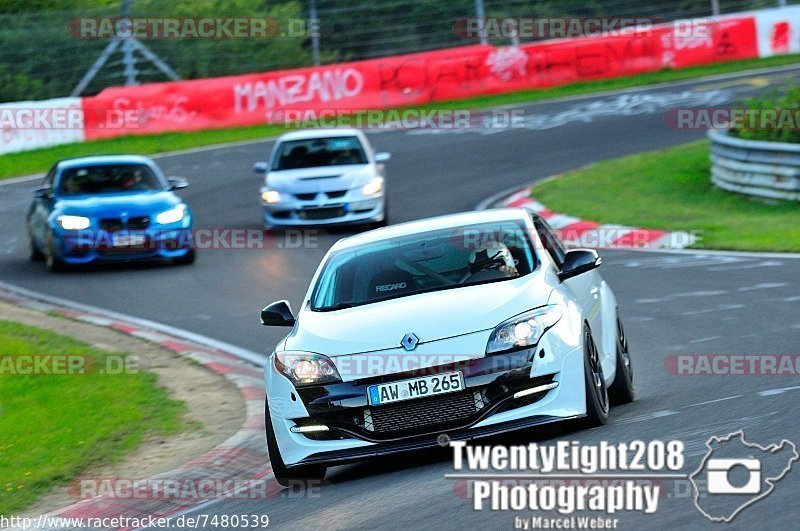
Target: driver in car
(490, 260)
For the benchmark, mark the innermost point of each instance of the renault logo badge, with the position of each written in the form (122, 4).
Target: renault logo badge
(410, 341)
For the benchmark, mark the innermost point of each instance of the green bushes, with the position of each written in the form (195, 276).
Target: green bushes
(786, 113)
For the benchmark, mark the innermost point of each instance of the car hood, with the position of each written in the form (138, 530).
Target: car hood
(114, 205)
(430, 316)
(322, 179)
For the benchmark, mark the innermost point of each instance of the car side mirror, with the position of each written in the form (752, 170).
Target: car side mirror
(44, 192)
(260, 168)
(579, 261)
(176, 183)
(382, 156)
(277, 314)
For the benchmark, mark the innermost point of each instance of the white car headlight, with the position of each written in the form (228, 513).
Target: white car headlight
(173, 215)
(270, 196)
(523, 330)
(306, 369)
(373, 187)
(74, 222)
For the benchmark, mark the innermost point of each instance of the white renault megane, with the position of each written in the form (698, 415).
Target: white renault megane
(466, 326)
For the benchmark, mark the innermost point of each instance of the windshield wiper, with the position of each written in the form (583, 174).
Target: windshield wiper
(338, 306)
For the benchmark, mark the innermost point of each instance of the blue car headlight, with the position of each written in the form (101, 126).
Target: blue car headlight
(73, 222)
(173, 215)
(524, 330)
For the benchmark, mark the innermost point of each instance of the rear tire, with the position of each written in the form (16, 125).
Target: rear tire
(622, 391)
(284, 475)
(597, 403)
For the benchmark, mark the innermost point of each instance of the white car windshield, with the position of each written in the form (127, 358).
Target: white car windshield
(421, 263)
(315, 152)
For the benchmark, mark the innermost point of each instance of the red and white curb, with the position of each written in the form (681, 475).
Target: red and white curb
(577, 232)
(238, 468)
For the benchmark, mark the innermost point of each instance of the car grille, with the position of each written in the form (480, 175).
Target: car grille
(135, 223)
(141, 222)
(111, 224)
(321, 213)
(330, 195)
(416, 414)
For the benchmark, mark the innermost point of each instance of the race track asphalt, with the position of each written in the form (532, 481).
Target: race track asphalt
(672, 303)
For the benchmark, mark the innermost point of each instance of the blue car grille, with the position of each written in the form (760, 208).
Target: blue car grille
(134, 223)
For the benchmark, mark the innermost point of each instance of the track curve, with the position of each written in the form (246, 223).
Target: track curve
(672, 303)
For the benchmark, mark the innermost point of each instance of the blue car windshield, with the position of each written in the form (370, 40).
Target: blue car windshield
(420, 263)
(108, 179)
(315, 152)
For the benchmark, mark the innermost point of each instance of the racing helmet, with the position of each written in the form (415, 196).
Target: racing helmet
(491, 255)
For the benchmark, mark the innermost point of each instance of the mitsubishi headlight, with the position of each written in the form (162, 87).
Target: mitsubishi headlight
(270, 196)
(74, 222)
(373, 187)
(524, 330)
(173, 215)
(306, 369)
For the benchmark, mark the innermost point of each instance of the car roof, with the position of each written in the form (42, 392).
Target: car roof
(307, 134)
(451, 221)
(104, 159)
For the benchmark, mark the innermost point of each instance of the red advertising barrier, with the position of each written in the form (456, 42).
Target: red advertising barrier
(413, 79)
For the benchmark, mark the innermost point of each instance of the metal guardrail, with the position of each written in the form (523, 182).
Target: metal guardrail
(769, 170)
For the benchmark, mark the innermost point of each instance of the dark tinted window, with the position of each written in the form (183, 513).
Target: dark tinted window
(108, 179)
(312, 153)
(420, 263)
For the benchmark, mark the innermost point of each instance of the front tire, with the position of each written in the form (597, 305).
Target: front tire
(36, 255)
(622, 391)
(53, 262)
(597, 403)
(186, 259)
(284, 475)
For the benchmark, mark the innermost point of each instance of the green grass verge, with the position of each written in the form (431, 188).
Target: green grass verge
(671, 189)
(17, 164)
(53, 427)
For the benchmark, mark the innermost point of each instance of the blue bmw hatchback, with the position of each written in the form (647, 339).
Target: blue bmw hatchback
(110, 208)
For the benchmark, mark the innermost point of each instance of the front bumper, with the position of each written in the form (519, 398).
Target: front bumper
(486, 407)
(83, 247)
(341, 211)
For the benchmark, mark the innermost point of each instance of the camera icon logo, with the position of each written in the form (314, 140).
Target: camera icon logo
(736, 473)
(719, 476)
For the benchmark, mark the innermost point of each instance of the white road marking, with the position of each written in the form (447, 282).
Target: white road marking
(778, 391)
(766, 263)
(714, 401)
(649, 416)
(763, 285)
(704, 339)
(717, 308)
